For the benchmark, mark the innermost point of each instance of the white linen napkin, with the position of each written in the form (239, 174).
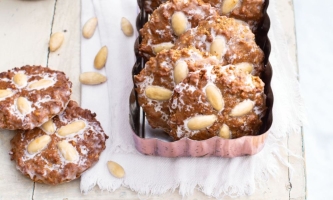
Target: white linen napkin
(216, 177)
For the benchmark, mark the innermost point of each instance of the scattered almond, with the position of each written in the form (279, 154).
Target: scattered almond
(126, 27)
(56, 41)
(115, 169)
(92, 78)
(245, 66)
(89, 28)
(23, 105)
(218, 47)
(101, 57)
(160, 47)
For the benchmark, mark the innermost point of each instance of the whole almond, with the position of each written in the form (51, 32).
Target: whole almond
(180, 71)
(242, 108)
(245, 66)
(126, 27)
(38, 144)
(20, 79)
(48, 127)
(42, 83)
(89, 28)
(115, 169)
(68, 151)
(215, 97)
(71, 128)
(201, 122)
(160, 47)
(56, 41)
(218, 47)
(228, 6)
(92, 78)
(158, 93)
(101, 57)
(225, 132)
(179, 23)
(23, 105)
(5, 93)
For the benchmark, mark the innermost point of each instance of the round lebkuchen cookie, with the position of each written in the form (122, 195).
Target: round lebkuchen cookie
(169, 21)
(249, 11)
(156, 81)
(217, 101)
(62, 148)
(228, 39)
(31, 95)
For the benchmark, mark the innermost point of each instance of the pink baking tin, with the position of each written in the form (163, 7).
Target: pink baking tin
(153, 142)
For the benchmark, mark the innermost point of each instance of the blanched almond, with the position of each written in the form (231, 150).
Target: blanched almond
(218, 47)
(126, 27)
(245, 66)
(23, 105)
(179, 23)
(89, 28)
(160, 47)
(71, 128)
(180, 71)
(20, 79)
(201, 122)
(56, 41)
(228, 6)
(92, 78)
(42, 83)
(115, 169)
(5, 93)
(225, 132)
(242, 108)
(38, 144)
(101, 57)
(68, 151)
(158, 93)
(214, 97)
(48, 127)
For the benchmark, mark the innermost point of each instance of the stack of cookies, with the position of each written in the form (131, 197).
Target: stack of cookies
(56, 139)
(201, 78)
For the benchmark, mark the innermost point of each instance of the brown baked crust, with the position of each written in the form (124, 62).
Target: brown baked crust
(45, 102)
(158, 29)
(49, 166)
(240, 41)
(249, 11)
(189, 100)
(159, 71)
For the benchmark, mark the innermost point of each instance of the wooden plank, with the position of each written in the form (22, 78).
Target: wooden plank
(24, 34)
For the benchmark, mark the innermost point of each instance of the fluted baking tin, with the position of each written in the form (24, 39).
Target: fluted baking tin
(155, 142)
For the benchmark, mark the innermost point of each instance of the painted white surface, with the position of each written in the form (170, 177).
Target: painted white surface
(314, 27)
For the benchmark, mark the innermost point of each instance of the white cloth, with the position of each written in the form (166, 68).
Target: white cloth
(216, 177)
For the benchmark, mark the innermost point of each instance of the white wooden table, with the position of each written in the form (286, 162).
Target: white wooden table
(25, 29)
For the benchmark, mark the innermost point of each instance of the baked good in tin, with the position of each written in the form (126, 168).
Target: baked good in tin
(169, 21)
(31, 95)
(62, 148)
(228, 39)
(249, 11)
(217, 101)
(156, 81)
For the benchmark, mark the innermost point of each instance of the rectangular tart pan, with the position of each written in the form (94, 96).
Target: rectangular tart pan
(157, 143)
